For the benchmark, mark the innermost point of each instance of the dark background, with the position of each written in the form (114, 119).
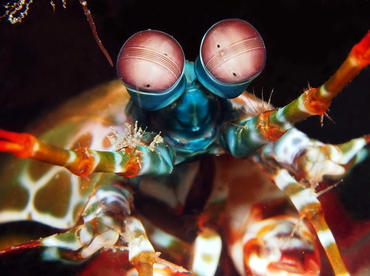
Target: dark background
(51, 57)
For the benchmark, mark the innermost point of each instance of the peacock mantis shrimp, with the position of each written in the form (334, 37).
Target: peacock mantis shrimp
(105, 207)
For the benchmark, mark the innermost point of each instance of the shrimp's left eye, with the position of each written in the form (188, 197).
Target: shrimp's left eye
(151, 65)
(232, 54)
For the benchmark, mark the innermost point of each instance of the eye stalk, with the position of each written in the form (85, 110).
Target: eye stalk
(232, 54)
(151, 66)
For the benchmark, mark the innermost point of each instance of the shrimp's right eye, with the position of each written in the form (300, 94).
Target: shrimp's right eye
(151, 65)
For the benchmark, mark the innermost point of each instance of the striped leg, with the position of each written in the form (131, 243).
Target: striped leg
(245, 135)
(309, 207)
(208, 243)
(296, 164)
(261, 225)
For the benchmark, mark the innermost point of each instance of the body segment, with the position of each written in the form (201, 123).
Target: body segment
(217, 125)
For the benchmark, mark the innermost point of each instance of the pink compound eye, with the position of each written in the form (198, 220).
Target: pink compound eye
(150, 61)
(233, 51)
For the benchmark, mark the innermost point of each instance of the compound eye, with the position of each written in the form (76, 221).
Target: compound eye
(233, 51)
(150, 61)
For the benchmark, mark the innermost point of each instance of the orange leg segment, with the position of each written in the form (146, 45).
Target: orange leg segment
(81, 162)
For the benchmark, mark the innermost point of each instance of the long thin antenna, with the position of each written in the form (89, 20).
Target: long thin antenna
(94, 31)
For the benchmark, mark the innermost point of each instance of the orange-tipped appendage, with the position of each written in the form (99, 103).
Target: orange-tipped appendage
(20, 144)
(317, 101)
(358, 58)
(24, 145)
(80, 162)
(362, 50)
